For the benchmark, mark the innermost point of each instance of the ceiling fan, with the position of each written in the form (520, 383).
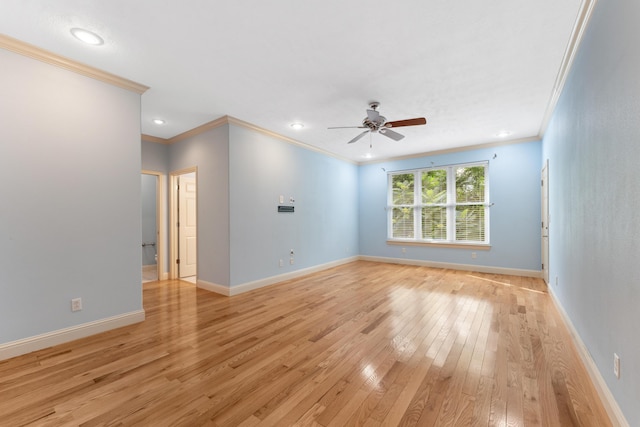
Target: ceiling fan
(374, 122)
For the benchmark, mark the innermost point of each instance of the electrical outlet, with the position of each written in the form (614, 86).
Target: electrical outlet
(404, 250)
(616, 365)
(76, 304)
(556, 280)
(281, 264)
(291, 260)
(473, 255)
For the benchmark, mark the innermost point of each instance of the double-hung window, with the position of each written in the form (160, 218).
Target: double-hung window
(440, 205)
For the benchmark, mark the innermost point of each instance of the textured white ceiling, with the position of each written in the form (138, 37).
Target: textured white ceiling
(471, 68)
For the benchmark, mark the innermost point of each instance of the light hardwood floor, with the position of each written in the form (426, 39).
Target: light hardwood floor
(361, 344)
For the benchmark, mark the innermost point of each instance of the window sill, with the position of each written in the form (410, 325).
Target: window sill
(476, 246)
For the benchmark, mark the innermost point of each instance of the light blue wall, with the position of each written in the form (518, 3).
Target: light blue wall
(209, 152)
(324, 226)
(514, 179)
(155, 157)
(70, 210)
(593, 147)
(149, 218)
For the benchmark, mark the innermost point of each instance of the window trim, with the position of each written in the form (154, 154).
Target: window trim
(439, 243)
(449, 205)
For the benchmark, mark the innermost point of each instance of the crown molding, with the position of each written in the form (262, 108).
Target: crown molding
(200, 129)
(228, 120)
(267, 132)
(452, 150)
(238, 122)
(26, 49)
(584, 15)
(157, 140)
(225, 120)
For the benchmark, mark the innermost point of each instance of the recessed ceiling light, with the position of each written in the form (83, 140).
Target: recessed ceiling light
(297, 125)
(504, 134)
(87, 36)
(158, 121)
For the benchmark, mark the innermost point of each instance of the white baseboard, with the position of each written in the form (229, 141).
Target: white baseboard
(213, 287)
(257, 284)
(250, 286)
(613, 410)
(38, 342)
(453, 266)
(164, 276)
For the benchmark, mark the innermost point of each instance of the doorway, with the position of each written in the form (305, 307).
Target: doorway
(545, 220)
(151, 217)
(184, 225)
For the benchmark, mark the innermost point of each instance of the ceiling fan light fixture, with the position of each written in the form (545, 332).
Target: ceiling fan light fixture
(296, 125)
(87, 36)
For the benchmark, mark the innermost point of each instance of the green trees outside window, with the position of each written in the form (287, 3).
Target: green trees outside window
(402, 212)
(447, 204)
(470, 208)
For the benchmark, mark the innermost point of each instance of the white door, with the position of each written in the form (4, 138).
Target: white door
(545, 221)
(187, 225)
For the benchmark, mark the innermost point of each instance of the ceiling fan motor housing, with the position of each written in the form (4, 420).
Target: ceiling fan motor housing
(374, 125)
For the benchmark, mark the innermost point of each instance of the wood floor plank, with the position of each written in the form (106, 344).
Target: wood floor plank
(441, 406)
(454, 402)
(362, 344)
(420, 386)
(482, 406)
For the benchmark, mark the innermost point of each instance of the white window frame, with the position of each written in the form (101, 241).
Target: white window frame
(450, 205)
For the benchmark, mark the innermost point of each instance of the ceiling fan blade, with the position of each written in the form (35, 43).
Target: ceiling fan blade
(391, 134)
(358, 137)
(408, 122)
(373, 115)
(348, 127)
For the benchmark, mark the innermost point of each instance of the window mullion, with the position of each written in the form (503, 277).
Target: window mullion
(417, 202)
(487, 203)
(451, 204)
(389, 206)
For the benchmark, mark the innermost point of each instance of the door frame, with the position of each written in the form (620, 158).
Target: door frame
(160, 221)
(173, 218)
(544, 214)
